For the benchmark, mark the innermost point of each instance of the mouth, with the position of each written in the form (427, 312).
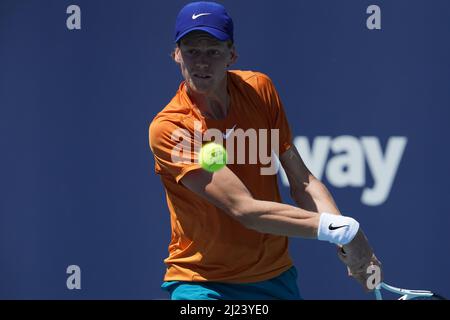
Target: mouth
(202, 76)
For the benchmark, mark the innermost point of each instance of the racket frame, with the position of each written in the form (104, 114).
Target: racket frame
(407, 294)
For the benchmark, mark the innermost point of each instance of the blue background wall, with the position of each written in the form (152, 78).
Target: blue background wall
(76, 173)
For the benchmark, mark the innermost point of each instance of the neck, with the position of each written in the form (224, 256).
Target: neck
(214, 104)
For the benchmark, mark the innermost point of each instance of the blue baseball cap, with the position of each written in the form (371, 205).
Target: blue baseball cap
(206, 16)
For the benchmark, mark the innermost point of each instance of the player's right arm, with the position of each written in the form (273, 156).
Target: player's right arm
(227, 192)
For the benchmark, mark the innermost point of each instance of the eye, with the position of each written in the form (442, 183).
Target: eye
(214, 52)
(192, 52)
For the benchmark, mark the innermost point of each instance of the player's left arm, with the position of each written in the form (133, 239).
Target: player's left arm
(311, 194)
(305, 189)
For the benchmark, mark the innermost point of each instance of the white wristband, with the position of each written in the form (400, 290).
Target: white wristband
(337, 229)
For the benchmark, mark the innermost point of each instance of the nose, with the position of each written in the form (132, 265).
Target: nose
(202, 61)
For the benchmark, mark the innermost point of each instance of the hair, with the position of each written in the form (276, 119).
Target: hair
(172, 54)
(229, 44)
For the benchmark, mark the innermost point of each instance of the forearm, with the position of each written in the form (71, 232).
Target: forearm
(315, 197)
(280, 219)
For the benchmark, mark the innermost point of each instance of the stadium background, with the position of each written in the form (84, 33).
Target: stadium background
(77, 185)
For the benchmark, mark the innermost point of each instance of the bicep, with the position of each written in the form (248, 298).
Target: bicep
(222, 188)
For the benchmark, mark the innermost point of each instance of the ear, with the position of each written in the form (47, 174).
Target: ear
(176, 55)
(233, 56)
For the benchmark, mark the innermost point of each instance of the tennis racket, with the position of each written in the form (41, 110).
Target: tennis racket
(406, 294)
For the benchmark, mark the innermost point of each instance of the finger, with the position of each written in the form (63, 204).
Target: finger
(362, 279)
(342, 255)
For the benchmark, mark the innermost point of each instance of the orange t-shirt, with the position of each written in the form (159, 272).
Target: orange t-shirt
(206, 243)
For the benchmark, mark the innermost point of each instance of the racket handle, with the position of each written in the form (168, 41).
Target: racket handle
(378, 294)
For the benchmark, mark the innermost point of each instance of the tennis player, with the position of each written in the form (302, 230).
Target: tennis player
(229, 228)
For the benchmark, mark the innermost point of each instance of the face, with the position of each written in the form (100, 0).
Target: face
(204, 60)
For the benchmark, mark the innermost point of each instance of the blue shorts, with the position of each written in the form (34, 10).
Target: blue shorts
(282, 287)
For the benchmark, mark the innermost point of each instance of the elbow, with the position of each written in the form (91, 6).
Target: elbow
(303, 192)
(247, 221)
(242, 212)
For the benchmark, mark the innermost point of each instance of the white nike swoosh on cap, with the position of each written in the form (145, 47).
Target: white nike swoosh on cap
(195, 16)
(229, 131)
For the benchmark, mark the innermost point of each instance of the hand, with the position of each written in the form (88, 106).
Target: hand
(358, 256)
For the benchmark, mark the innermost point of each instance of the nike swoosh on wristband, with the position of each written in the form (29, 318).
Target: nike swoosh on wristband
(331, 227)
(195, 16)
(229, 131)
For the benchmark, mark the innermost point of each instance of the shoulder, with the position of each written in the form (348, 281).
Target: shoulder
(159, 131)
(168, 121)
(254, 78)
(255, 81)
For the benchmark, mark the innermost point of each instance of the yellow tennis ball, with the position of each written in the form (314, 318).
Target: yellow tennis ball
(213, 157)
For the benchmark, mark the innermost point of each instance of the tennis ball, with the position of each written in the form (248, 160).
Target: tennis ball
(213, 157)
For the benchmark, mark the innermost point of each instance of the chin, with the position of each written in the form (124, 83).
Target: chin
(202, 88)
